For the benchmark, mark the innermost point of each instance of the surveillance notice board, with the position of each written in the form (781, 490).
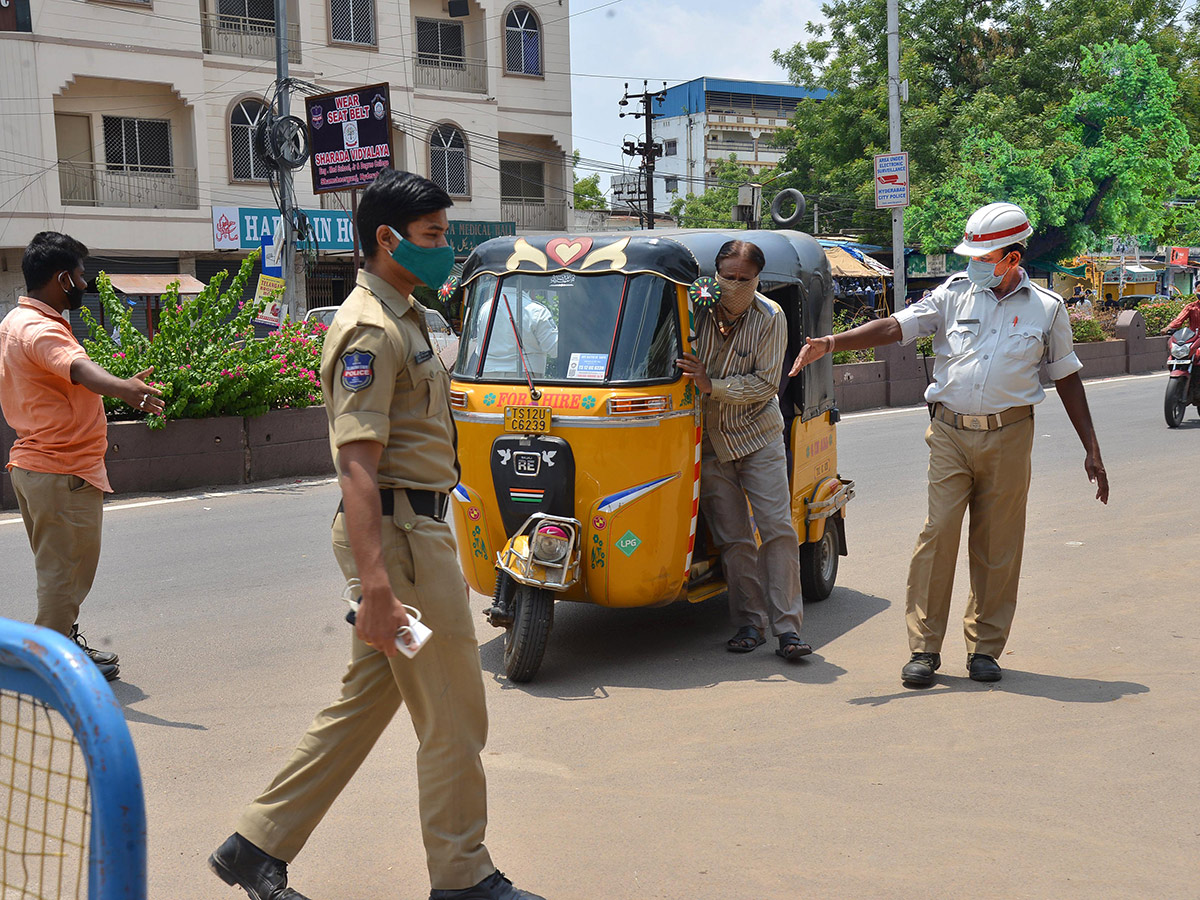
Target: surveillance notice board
(350, 137)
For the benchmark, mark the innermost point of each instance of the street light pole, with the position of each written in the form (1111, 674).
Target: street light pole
(648, 150)
(893, 64)
(286, 194)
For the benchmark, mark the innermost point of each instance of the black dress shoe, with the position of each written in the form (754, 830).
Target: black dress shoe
(920, 669)
(239, 863)
(99, 657)
(494, 887)
(110, 673)
(982, 667)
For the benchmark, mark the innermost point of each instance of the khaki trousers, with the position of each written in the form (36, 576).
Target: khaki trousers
(764, 579)
(988, 473)
(62, 515)
(443, 687)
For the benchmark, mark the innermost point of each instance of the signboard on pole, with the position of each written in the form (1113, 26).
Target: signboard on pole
(891, 180)
(1179, 256)
(349, 137)
(273, 312)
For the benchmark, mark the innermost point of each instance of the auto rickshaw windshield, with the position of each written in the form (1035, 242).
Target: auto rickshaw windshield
(570, 328)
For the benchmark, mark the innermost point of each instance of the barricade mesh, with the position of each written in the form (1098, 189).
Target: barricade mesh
(44, 803)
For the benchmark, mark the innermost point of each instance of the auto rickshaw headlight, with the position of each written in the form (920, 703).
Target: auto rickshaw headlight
(550, 544)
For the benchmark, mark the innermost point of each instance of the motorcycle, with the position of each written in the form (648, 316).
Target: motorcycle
(1183, 364)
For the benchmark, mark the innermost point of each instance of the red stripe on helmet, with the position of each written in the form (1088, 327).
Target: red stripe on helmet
(995, 235)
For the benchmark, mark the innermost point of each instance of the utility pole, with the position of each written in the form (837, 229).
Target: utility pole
(647, 149)
(286, 193)
(893, 63)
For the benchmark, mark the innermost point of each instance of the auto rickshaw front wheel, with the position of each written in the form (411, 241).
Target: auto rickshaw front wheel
(525, 641)
(819, 565)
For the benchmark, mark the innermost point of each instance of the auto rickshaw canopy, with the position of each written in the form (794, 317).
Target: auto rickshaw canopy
(647, 252)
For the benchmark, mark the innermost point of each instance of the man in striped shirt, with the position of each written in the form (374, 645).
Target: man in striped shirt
(740, 344)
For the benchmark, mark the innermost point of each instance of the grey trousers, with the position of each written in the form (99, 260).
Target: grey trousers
(764, 579)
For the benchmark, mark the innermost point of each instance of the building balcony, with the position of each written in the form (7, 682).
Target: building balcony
(535, 216)
(140, 187)
(247, 38)
(451, 73)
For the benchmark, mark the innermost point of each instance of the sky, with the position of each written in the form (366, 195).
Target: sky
(671, 40)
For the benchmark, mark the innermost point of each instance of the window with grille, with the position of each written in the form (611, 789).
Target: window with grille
(352, 21)
(247, 164)
(522, 181)
(672, 185)
(670, 148)
(440, 42)
(448, 160)
(522, 42)
(137, 145)
(235, 10)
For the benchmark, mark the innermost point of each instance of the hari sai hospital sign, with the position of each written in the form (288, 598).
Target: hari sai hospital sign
(242, 228)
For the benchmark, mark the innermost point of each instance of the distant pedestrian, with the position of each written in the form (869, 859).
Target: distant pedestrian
(50, 393)
(992, 330)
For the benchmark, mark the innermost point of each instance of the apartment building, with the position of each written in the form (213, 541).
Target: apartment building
(129, 124)
(706, 120)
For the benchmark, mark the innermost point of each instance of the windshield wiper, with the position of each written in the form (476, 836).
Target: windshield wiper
(534, 393)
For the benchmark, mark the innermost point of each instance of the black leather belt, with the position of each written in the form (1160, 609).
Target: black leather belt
(431, 504)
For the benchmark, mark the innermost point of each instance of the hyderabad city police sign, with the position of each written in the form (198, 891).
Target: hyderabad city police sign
(891, 180)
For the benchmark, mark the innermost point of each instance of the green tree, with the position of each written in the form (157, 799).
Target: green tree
(714, 207)
(987, 77)
(587, 190)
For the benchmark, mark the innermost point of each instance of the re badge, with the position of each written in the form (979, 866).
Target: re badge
(358, 370)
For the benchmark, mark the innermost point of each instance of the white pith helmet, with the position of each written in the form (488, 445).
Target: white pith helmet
(992, 227)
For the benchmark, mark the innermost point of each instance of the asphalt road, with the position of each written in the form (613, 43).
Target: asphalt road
(646, 762)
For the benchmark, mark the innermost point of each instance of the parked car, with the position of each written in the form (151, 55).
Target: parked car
(441, 335)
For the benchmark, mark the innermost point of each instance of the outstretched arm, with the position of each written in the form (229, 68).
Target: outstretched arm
(872, 334)
(1074, 400)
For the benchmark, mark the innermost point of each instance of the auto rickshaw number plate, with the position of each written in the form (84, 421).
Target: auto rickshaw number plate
(527, 419)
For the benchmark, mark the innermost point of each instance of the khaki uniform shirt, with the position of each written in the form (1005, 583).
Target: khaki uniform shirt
(742, 414)
(988, 351)
(383, 382)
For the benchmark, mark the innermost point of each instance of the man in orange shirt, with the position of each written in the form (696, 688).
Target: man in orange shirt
(50, 396)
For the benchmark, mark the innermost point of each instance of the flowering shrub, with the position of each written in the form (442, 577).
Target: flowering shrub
(1085, 329)
(205, 357)
(1159, 315)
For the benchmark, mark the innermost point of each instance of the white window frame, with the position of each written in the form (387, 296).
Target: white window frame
(531, 23)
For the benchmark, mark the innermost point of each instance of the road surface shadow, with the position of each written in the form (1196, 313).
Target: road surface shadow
(1028, 684)
(674, 647)
(128, 694)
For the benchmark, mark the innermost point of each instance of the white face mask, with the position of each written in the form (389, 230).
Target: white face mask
(983, 274)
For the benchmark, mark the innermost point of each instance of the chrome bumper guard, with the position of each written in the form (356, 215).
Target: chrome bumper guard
(524, 568)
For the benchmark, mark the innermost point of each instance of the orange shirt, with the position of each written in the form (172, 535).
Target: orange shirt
(60, 425)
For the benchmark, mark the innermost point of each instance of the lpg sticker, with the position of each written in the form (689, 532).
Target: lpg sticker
(628, 542)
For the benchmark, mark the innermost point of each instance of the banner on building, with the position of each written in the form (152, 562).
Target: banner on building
(243, 227)
(1179, 256)
(269, 285)
(349, 137)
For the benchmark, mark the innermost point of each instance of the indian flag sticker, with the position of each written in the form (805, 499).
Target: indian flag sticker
(526, 495)
(628, 542)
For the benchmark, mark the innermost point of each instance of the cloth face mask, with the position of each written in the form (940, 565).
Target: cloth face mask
(432, 265)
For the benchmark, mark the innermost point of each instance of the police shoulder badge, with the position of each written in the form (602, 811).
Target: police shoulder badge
(358, 369)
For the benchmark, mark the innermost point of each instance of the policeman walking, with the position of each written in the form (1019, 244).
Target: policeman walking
(393, 442)
(992, 329)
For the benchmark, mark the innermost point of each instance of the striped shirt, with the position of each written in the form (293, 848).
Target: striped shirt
(742, 413)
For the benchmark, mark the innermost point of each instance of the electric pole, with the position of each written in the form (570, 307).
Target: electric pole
(893, 63)
(648, 149)
(286, 194)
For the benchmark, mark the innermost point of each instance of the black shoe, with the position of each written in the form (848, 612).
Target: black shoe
(99, 657)
(238, 863)
(110, 673)
(920, 669)
(983, 668)
(494, 887)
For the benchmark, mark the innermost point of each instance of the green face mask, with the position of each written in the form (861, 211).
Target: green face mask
(432, 265)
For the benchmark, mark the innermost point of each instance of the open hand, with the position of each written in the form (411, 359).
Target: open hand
(810, 353)
(142, 396)
(1096, 474)
(694, 369)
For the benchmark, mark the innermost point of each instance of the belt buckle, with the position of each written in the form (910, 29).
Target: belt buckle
(975, 423)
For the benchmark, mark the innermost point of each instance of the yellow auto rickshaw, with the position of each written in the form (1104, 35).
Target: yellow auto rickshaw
(579, 439)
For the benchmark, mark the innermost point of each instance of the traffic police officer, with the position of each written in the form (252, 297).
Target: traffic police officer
(393, 442)
(992, 330)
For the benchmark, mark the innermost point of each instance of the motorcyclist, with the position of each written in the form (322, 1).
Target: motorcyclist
(1189, 315)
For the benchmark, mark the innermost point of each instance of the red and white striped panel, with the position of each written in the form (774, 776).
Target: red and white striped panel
(687, 565)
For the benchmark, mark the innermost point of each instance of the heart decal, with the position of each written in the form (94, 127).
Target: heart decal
(567, 250)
